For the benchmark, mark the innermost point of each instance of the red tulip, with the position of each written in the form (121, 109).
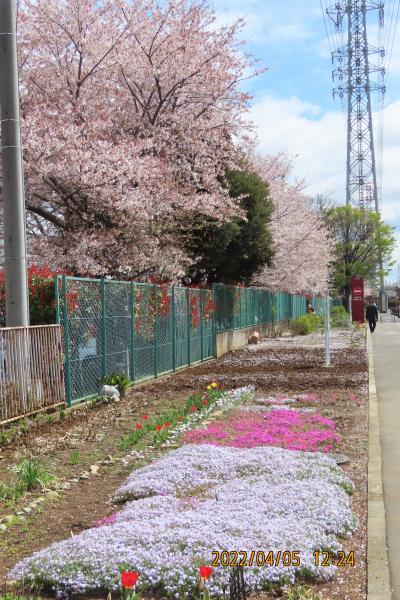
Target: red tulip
(192, 408)
(129, 579)
(205, 572)
(158, 427)
(145, 417)
(167, 424)
(138, 426)
(180, 418)
(204, 402)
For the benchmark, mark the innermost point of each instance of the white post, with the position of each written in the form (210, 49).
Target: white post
(327, 331)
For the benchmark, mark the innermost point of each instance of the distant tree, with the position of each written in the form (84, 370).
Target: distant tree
(302, 242)
(235, 251)
(363, 242)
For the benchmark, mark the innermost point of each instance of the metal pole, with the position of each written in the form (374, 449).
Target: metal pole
(103, 329)
(201, 327)
(15, 262)
(68, 392)
(155, 361)
(133, 331)
(173, 309)
(189, 319)
(327, 331)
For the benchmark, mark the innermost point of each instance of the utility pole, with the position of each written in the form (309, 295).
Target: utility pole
(15, 261)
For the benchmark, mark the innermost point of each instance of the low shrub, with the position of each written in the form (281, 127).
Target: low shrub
(339, 317)
(307, 324)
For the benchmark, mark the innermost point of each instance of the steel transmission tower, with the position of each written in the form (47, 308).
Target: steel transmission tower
(355, 64)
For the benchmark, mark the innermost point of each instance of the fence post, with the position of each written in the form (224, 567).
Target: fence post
(132, 307)
(57, 298)
(201, 326)
(173, 328)
(66, 344)
(188, 322)
(103, 327)
(155, 330)
(214, 322)
(240, 305)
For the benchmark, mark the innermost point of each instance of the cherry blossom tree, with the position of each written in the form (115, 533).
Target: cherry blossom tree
(304, 247)
(129, 111)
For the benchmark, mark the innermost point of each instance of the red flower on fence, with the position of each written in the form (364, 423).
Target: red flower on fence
(129, 579)
(194, 302)
(208, 308)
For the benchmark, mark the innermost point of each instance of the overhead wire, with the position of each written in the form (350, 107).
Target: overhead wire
(394, 36)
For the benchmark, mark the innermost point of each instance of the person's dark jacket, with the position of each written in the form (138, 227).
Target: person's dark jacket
(371, 313)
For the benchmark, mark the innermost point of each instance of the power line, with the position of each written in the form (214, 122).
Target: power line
(326, 28)
(394, 36)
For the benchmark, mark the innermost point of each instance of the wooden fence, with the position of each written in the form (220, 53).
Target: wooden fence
(31, 370)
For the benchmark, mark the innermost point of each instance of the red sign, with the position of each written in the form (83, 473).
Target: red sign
(357, 299)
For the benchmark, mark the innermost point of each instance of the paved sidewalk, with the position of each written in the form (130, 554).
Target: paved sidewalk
(386, 357)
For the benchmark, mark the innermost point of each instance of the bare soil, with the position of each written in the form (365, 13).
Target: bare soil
(275, 366)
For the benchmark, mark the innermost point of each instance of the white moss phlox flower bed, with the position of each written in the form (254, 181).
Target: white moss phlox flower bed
(200, 499)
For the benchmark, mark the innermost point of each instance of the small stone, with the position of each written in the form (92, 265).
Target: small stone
(66, 486)
(94, 469)
(84, 476)
(74, 480)
(110, 391)
(40, 500)
(3, 527)
(254, 338)
(341, 459)
(8, 519)
(27, 509)
(52, 494)
(19, 513)
(218, 413)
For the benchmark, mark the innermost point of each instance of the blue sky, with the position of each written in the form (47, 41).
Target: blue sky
(293, 107)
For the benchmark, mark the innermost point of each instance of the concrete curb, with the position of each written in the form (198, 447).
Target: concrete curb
(377, 557)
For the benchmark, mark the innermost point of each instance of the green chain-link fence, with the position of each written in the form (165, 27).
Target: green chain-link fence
(138, 329)
(237, 307)
(145, 330)
(318, 303)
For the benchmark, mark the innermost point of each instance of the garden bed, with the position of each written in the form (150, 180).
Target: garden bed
(278, 366)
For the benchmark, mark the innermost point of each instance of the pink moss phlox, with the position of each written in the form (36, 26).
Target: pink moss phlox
(110, 520)
(284, 428)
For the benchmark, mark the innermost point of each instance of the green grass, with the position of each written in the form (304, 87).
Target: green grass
(75, 457)
(300, 593)
(13, 596)
(29, 473)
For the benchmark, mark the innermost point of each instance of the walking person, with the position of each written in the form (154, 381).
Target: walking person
(372, 315)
